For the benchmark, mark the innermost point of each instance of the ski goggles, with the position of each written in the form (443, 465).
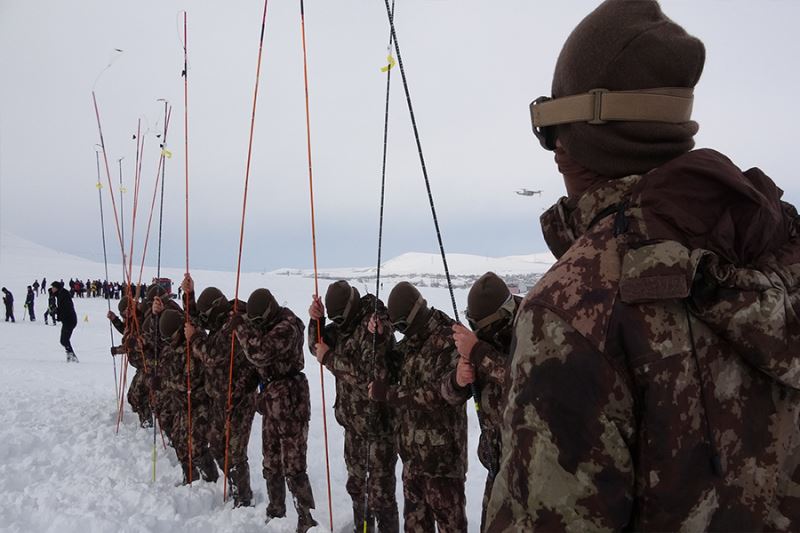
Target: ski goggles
(402, 324)
(340, 318)
(205, 316)
(263, 317)
(672, 105)
(505, 311)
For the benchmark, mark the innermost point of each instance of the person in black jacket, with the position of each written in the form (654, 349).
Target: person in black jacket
(29, 301)
(8, 300)
(65, 313)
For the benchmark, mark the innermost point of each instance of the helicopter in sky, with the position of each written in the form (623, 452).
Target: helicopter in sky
(528, 192)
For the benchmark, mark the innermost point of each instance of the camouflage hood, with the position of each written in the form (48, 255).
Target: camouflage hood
(700, 229)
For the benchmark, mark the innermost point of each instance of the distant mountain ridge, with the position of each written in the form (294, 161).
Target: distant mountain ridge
(427, 269)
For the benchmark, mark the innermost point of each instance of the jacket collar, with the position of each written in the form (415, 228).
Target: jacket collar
(566, 221)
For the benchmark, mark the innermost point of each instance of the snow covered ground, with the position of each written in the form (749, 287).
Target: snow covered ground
(63, 467)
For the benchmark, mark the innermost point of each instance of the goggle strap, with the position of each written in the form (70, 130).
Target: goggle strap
(667, 104)
(507, 309)
(414, 310)
(338, 319)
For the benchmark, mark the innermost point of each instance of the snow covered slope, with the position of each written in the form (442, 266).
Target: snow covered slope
(63, 467)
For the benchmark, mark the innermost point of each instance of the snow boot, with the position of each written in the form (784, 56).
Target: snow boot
(388, 520)
(358, 519)
(208, 468)
(239, 484)
(195, 475)
(304, 520)
(303, 501)
(276, 495)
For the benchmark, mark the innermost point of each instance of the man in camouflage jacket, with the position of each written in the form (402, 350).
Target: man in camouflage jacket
(187, 429)
(655, 381)
(214, 350)
(432, 434)
(133, 345)
(356, 357)
(272, 339)
(484, 357)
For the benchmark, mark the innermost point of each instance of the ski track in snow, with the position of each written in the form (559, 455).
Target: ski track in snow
(63, 468)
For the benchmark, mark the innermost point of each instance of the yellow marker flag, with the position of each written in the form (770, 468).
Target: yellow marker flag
(166, 153)
(123, 190)
(86, 318)
(391, 63)
(99, 185)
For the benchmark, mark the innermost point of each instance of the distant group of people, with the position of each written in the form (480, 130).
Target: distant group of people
(109, 290)
(32, 291)
(59, 309)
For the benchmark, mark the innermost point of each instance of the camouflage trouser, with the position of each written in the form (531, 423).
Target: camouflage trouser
(243, 410)
(382, 461)
(165, 411)
(285, 406)
(430, 501)
(200, 452)
(489, 449)
(139, 398)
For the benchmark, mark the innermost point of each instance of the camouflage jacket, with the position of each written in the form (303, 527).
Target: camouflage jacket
(152, 343)
(172, 370)
(276, 351)
(355, 363)
(654, 380)
(490, 358)
(432, 434)
(214, 350)
(137, 346)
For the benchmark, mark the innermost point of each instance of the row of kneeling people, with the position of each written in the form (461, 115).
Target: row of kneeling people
(405, 397)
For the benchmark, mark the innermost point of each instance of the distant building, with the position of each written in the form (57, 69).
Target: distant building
(519, 288)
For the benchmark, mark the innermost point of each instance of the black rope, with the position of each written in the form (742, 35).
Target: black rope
(378, 273)
(422, 160)
(105, 263)
(473, 387)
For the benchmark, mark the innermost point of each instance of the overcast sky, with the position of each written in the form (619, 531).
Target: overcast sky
(473, 67)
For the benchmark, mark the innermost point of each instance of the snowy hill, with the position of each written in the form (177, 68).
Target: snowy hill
(65, 469)
(423, 269)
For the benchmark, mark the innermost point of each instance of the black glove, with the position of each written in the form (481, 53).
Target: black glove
(117, 350)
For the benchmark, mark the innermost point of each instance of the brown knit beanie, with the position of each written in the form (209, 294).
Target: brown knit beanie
(262, 302)
(153, 291)
(207, 299)
(486, 296)
(122, 306)
(627, 45)
(337, 296)
(402, 299)
(171, 321)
